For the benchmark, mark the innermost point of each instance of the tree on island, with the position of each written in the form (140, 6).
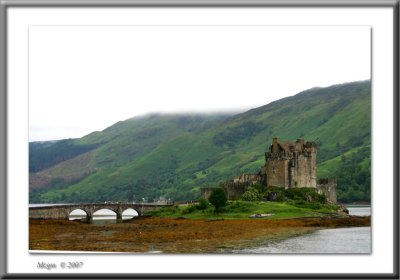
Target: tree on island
(218, 198)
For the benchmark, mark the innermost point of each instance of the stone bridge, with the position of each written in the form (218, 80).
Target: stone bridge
(62, 212)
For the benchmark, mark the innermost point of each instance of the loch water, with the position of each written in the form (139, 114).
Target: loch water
(349, 240)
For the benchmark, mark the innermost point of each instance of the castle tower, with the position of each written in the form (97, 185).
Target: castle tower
(290, 165)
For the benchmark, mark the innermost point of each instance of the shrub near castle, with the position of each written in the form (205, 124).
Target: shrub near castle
(251, 194)
(218, 198)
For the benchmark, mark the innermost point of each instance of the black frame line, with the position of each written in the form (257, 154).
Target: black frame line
(4, 4)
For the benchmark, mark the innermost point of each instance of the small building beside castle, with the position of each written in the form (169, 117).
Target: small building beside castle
(287, 165)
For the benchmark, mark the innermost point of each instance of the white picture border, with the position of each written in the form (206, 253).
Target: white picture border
(381, 21)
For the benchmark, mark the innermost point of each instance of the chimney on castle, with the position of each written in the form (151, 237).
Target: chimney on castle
(274, 145)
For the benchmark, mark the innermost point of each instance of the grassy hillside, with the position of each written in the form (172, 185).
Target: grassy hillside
(175, 155)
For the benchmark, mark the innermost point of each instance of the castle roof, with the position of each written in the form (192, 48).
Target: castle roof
(283, 145)
(290, 146)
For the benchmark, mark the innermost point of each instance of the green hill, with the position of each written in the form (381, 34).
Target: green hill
(175, 155)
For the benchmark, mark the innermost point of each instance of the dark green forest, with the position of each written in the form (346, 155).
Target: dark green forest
(354, 176)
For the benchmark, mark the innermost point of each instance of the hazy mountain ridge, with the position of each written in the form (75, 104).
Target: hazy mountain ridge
(174, 155)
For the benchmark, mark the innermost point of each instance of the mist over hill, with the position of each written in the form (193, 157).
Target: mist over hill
(174, 155)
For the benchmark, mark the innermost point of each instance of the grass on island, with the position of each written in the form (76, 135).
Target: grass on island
(244, 209)
(273, 202)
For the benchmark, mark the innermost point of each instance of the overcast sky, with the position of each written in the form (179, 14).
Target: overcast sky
(86, 78)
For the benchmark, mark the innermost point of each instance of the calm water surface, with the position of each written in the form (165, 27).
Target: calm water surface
(354, 240)
(351, 240)
(359, 210)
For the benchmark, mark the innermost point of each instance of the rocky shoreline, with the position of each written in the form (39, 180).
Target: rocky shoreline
(173, 235)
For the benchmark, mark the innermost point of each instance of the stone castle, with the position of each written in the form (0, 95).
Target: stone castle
(290, 165)
(287, 165)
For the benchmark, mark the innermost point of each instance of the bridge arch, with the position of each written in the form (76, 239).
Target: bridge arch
(78, 214)
(105, 213)
(129, 213)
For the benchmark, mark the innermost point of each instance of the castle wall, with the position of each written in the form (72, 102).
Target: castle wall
(205, 192)
(304, 170)
(328, 188)
(277, 173)
(247, 178)
(235, 190)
